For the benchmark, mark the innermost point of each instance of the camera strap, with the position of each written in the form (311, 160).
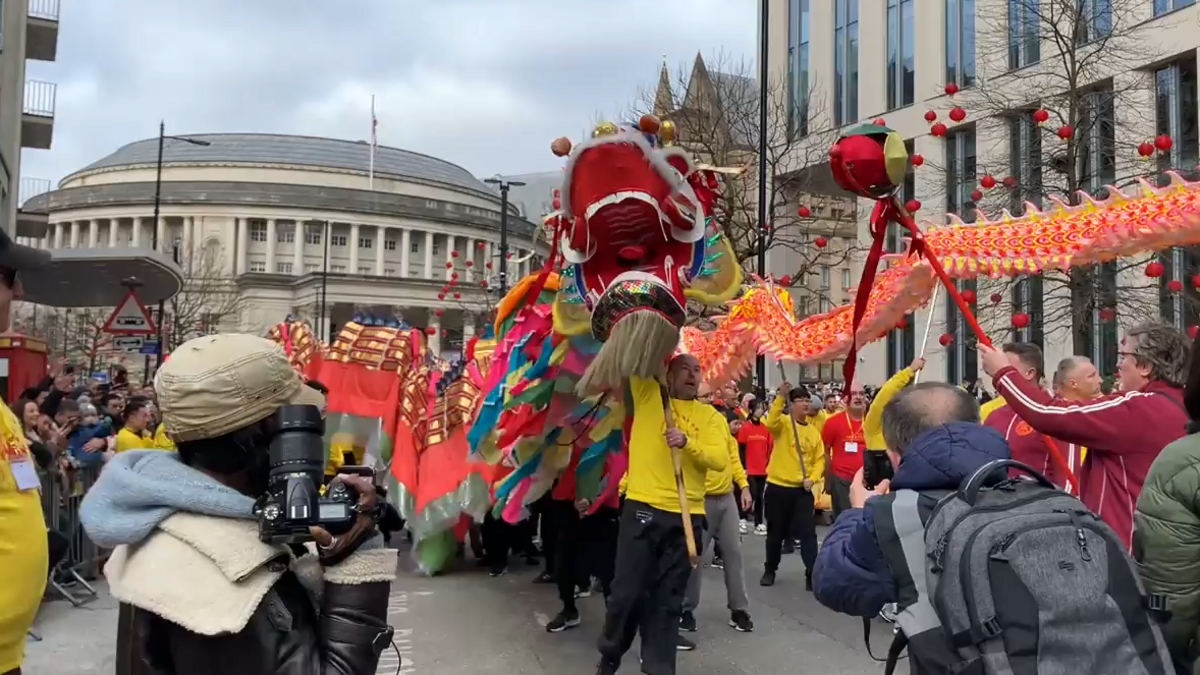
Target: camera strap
(340, 557)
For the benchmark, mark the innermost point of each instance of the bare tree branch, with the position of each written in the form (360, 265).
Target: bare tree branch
(208, 297)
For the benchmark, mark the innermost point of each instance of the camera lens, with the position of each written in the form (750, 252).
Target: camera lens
(298, 442)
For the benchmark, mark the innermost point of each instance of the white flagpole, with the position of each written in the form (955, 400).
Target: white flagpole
(928, 325)
(374, 142)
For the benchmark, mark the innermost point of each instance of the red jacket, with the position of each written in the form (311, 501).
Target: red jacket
(1029, 446)
(1123, 433)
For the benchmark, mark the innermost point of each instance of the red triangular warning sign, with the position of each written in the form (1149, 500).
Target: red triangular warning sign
(130, 318)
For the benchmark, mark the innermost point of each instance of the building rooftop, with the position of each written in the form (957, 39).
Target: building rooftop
(329, 153)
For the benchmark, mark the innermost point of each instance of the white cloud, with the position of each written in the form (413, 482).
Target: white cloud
(483, 83)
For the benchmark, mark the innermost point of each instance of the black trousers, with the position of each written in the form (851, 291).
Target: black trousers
(652, 571)
(758, 484)
(570, 572)
(784, 507)
(839, 494)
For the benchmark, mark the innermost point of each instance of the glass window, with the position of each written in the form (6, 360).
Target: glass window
(1095, 20)
(437, 248)
(389, 271)
(389, 244)
(312, 234)
(901, 86)
(283, 267)
(413, 247)
(364, 269)
(337, 269)
(1175, 115)
(366, 242)
(258, 231)
(1025, 163)
(960, 42)
(285, 234)
(1024, 35)
(961, 359)
(846, 279)
(902, 342)
(312, 267)
(1163, 6)
(258, 266)
(798, 13)
(845, 62)
(825, 277)
(337, 240)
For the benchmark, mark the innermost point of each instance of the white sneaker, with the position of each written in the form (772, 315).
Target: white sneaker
(743, 527)
(760, 529)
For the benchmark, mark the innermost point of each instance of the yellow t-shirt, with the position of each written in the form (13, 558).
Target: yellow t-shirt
(784, 468)
(818, 419)
(24, 558)
(990, 407)
(127, 439)
(721, 482)
(162, 441)
(651, 470)
(872, 427)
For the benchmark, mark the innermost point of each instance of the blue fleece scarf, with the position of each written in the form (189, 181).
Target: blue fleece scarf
(139, 489)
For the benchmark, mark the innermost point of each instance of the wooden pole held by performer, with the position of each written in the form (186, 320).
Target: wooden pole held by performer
(685, 510)
(795, 431)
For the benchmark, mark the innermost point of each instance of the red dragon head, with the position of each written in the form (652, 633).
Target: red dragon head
(635, 229)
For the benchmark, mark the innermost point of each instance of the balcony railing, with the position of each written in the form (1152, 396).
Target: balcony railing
(40, 98)
(44, 9)
(32, 187)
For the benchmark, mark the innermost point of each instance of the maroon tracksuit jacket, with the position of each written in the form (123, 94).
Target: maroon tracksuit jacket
(1123, 432)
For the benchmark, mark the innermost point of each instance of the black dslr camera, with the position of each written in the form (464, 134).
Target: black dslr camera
(292, 502)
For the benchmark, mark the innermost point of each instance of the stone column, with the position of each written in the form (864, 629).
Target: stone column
(74, 241)
(380, 238)
(243, 243)
(353, 243)
(160, 233)
(301, 241)
(435, 340)
(405, 244)
(135, 239)
(428, 255)
(187, 246)
(449, 254)
(470, 257)
(93, 233)
(271, 246)
(468, 330)
(114, 226)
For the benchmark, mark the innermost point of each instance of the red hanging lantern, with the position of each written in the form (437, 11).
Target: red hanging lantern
(976, 195)
(930, 116)
(1163, 143)
(556, 204)
(1193, 331)
(804, 212)
(1146, 149)
(912, 206)
(1107, 313)
(453, 276)
(509, 256)
(1196, 281)
(879, 122)
(1174, 285)
(431, 331)
(969, 296)
(449, 264)
(482, 245)
(785, 280)
(918, 160)
(957, 114)
(1010, 182)
(483, 284)
(453, 254)
(988, 181)
(441, 296)
(951, 89)
(470, 263)
(1066, 131)
(457, 295)
(1020, 320)
(488, 264)
(453, 282)
(1041, 116)
(946, 339)
(821, 242)
(1154, 269)
(902, 323)
(996, 298)
(938, 129)
(439, 311)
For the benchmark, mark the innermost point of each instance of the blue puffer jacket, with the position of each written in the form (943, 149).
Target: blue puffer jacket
(851, 576)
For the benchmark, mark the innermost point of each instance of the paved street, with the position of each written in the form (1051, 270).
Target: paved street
(465, 622)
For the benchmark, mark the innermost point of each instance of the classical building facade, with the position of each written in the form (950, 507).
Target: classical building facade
(28, 31)
(847, 62)
(299, 226)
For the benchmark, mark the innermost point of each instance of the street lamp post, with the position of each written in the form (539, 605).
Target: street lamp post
(760, 365)
(154, 243)
(504, 186)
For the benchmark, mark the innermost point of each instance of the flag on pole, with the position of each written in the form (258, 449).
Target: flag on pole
(374, 143)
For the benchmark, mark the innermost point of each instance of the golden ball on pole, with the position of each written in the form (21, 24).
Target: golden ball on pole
(605, 129)
(666, 132)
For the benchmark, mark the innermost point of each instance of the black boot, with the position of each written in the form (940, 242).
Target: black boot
(768, 578)
(808, 580)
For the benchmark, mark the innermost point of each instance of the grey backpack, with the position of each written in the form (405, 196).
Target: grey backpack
(1013, 577)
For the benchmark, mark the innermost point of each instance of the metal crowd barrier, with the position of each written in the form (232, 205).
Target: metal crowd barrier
(62, 493)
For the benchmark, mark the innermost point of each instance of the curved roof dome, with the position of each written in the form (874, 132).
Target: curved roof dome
(329, 153)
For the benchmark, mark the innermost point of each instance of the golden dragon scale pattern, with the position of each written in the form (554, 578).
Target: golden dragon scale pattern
(1144, 220)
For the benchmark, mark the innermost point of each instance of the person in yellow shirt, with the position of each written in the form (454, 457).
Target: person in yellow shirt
(797, 465)
(877, 467)
(135, 435)
(722, 518)
(24, 550)
(652, 565)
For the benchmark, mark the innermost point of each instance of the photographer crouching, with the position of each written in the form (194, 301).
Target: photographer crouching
(205, 540)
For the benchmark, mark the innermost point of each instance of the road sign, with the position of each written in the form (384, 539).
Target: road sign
(130, 344)
(100, 376)
(130, 318)
(150, 346)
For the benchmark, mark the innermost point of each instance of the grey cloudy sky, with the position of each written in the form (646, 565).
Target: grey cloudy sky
(483, 83)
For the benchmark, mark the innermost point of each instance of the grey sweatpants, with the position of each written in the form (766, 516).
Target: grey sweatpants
(721, 512)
